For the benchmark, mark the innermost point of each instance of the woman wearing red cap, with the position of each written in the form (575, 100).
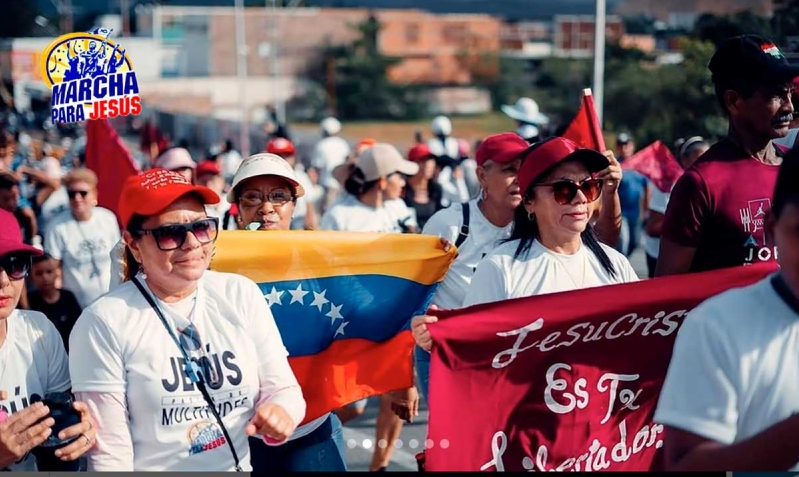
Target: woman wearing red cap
(424, 194)
(181, 364)
(33, 364)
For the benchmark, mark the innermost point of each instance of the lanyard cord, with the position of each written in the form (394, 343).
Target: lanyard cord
(191, 370)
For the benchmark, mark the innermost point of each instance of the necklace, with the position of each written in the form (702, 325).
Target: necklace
(777, 160)
(566, 267)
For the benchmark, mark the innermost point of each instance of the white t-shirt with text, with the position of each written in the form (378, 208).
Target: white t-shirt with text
(84, 250)
(734, 368)
(483, 238)
(33, 362)
(539, 270)
(120, 346)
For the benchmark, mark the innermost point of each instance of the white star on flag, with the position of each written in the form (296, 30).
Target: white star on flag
(340, 329)
(334, 313)
(298, 295)
(274, 297)
(319, 299)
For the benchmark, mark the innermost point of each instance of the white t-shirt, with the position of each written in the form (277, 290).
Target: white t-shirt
(33, 362)
(120, 346)
(84, 250)
(734, 368)
(401, 212)
(482, 239)
(231, 161)
(354, 216)
(539, 270)
(301, 207)
(328, 154)
(56, 204)
(658, 200)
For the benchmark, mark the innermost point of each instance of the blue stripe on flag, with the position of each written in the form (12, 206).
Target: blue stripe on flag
(311, 313)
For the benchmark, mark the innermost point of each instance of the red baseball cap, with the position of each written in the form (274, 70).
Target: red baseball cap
(209, 167)
(545, 155)
(420, 152)
(153, 191)
(280, 145)
(11, 236)
(501, 148)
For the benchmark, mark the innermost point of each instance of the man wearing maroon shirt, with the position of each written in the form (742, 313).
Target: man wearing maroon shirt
(716, 216)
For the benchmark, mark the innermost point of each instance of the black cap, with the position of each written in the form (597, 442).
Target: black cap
(786, 191)
(751, 58)
(623, 138)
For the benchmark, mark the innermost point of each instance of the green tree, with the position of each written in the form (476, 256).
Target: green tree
(356, 76)
(785, 21)
(716, 29)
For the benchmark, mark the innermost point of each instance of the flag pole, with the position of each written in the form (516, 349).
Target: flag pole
(599, 58)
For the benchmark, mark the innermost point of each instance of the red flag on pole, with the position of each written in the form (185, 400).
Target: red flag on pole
(657, 163)
(585, 129)
(110, 159)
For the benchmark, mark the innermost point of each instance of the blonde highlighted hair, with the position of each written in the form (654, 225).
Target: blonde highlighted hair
(81, 175)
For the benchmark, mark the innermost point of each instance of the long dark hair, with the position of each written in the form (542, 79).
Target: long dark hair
(526, 231)
(130, 266)
(356, 183)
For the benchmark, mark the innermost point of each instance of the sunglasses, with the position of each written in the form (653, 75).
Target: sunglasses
(172, 237)
(16, 266)
(565, 190)
(73, 193)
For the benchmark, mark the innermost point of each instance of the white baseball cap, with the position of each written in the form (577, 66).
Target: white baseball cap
(383, 160)
(264, 164)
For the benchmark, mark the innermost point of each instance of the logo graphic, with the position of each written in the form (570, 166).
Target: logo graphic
(91, 78)
(771, 49)
(205, 436)
(754, 215)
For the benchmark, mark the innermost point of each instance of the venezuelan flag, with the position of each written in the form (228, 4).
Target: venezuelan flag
(343, 303)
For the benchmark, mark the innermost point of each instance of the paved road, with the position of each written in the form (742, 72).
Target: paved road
(359, 434)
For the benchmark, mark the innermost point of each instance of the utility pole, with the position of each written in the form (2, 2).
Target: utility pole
(125, 15)
(241, 73)
(599, 59)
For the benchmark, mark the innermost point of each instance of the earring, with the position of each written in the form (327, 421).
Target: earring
(530, 216)
(483, 194)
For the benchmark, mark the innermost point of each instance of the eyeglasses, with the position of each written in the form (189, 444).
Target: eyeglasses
(566, 190)
(16, 266)
(172, 237)
(255, 198)
(73, 193)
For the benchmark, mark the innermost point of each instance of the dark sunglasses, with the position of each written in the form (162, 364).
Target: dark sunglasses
(172, 237)
(73, 193)
(565, 190)
(16, 266)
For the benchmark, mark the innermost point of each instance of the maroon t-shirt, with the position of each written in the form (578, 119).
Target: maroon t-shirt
(718, 207)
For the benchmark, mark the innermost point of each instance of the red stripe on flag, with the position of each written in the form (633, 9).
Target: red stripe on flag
(353, 369)
(110, 159)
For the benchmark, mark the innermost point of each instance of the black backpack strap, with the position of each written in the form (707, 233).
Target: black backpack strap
(464, 225)
(225, 219)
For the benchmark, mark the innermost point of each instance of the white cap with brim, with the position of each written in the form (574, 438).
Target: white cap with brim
(264, 164)
(526, 110)
(382, 160)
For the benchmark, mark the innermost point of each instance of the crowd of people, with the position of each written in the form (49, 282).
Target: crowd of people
(129, 320)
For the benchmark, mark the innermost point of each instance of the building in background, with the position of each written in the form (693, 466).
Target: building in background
(573, 35)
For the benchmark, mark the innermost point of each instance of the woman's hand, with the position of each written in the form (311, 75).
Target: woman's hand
(85, 430)
(271, 421)
(405, 404)
(611, 175)
(22, 431)
(420, 332)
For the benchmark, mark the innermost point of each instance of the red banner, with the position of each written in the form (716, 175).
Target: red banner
(585, 129)
(567, 381)
(657, 163)
(110, 159)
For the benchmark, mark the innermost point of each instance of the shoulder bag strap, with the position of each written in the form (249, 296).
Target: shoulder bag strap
(191, 369)
(464, 225)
